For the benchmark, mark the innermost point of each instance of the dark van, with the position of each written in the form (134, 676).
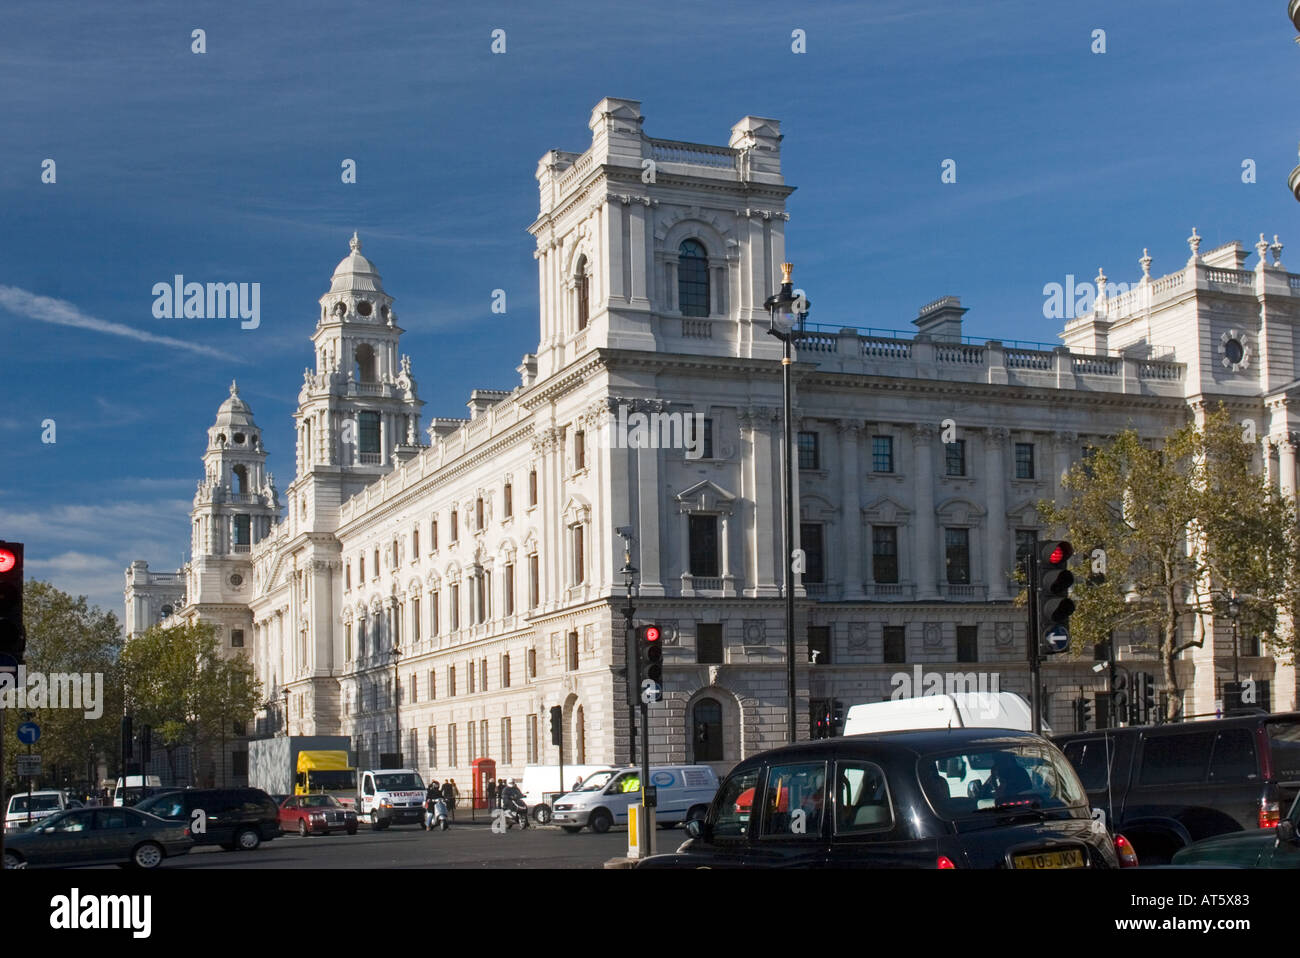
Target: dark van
(939, 798)
(1167, 786)
(232, 817)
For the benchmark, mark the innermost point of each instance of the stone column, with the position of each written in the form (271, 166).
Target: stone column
(1063, 444)
(1286, 464)
(925, 570)
(759, 494)
(995, 533)
(851, 507)
(652, 531)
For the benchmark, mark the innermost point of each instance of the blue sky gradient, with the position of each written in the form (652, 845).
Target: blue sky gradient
(225, 167)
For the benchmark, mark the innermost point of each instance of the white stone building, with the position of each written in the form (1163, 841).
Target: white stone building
(486, 550)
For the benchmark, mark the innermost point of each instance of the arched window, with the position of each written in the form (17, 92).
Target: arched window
(693, 279)
(364, 370)
(582, 281)
(706, 730)
(580, 738)
(240, 474)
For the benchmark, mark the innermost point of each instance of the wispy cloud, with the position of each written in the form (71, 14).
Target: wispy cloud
(60, 312)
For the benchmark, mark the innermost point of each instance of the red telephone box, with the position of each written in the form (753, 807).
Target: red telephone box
(484, 771)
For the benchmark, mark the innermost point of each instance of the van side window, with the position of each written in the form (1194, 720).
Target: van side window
(1234, 757)
(734, 805)
(861, 799)
(370, 785)
(1089, 759)
(793, 801)
(1180, 757)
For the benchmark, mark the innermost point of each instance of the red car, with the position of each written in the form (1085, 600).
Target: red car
(319, 814)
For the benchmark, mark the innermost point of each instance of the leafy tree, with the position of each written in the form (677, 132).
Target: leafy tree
(1184, 526)
(178, 682)
(66, 635)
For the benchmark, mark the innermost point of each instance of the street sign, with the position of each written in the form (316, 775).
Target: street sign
(29, 766)
(29, 733)
(1057, 639)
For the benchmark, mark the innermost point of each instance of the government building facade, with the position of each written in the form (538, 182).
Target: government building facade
(434, 588)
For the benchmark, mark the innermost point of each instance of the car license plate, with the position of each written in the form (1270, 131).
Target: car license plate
(1064, 858)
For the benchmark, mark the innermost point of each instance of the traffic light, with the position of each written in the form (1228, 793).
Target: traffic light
(837, 717)
(557, 724)
(650, 656)
(1054, 602)
(13, 637)
(1148, 695)
(1082, 713)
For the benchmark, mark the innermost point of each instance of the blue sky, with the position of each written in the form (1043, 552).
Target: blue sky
(225, 167)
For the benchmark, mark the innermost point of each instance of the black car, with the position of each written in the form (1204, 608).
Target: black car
(1167, 786)
(948, 798)
(98, 836)
(231, 817)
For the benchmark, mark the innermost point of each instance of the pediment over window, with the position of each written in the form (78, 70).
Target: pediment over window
(705, 496)
(1024, 514)
(886, 511)
(576, 511)
(960, 512)
(816, 509)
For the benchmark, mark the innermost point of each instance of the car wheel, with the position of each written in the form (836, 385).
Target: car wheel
(542, 814)
(352, 830)
(248, 839)
(14, 860)
(572, 829)
(303, 830)
(600, 821)
(147, 855)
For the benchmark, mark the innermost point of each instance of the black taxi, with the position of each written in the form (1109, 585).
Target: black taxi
(939, 798)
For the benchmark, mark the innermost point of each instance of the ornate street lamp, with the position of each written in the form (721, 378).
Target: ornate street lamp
(787, 311)
(396, 654)
(629, 574)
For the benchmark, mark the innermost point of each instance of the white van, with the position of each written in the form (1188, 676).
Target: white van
(957, 710)
(134, 789)
(390, 796)
(683, 792)
(541, 785)
(43, 804)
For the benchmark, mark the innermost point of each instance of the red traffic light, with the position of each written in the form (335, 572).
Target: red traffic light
(1061, 553)
(651, 633)
(7, 560)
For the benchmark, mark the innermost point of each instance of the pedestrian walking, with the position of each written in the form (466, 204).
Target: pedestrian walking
(492, 793)
(449, 796)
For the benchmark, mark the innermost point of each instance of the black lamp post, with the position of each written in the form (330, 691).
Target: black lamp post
(1234, 610)
(285, 693)
(629, 573)
(396, 654)
(788, 311)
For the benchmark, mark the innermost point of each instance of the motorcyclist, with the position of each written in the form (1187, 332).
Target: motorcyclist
(431, 796)
(514, 799)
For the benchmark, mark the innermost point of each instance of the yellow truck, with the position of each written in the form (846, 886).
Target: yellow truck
(326, 772)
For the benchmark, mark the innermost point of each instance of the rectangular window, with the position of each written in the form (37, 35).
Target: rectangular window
(473, 678)
(451, 680)
(455, 525)
(810, 540)
(699, 437)
(571, 660)
(347, 575)
(482, 675)
(895, 644)
(819, 644)
(347, 641)
(703, 548)
(884, 554)
(483, 738)
(505, 670)
(510, 588)
(882, 453)
(433, 685)
(578, 559)
(1024, 460)
(532, 487)
(375, 573)
(433, 613)
(530, 739)
(532, 663)
(1177, 758)
(452, 751)
(361, 568)
(954, 454)
(708, 642)
(968, 643)
(368, 438)
(579, 451)
(237, 638)
(433, 535)
(507, 753)
(415, 745)
(455, 606)
(415, 617)
(473, 741)
(433, 746)
(478, 513)
(957, 555)
(809, 453)
(508, 504)
(415, 544)
(242, 530)
(534, 583)
(1026, 546)
(480, 596)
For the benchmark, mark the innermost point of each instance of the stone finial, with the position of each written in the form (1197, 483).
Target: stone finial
(1194, 242)
(1145, 261)
(355, 242)
(1277, 252)
(1262, 249)
(234, 389)
(1101, 283)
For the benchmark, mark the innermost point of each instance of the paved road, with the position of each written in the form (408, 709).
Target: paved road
(462, 846)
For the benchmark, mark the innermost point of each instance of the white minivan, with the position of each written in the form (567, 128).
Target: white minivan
(28, 808)
(683, 792)
(541, 785)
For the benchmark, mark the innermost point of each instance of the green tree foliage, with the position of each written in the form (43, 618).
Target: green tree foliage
(178, 682)
(65, 635)
(1183, 526)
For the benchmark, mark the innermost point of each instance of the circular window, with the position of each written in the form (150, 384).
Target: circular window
(1232, 349)
(236, 580)
(1234, 346)
(363, 308)
(239, 438)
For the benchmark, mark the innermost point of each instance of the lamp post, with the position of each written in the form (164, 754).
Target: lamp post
(1234, 610)
(629, 573)
(285, 693)
(786, 310)
(396, 654)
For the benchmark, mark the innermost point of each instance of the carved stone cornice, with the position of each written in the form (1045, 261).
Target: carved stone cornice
(997, 435)
(849, 427)
(922, 433)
